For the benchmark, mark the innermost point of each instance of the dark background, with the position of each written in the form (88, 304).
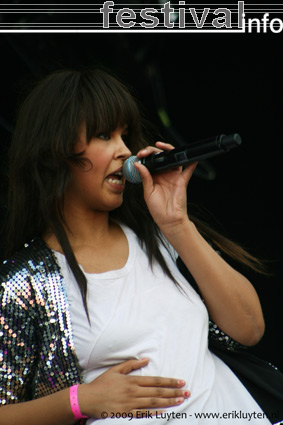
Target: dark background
(209, 84)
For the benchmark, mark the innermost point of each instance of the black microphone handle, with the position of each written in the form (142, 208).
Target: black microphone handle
(191, 153)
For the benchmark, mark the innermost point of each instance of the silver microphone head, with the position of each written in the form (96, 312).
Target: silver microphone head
(129, 170)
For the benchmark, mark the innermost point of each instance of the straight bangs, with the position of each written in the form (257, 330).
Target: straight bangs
(107, 104)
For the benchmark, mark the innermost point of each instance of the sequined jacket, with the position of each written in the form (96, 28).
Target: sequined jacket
(37, 355)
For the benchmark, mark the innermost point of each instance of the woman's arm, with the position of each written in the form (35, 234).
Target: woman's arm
(230, 298)
(53, 409)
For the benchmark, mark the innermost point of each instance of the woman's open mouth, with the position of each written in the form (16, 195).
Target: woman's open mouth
(116, 180)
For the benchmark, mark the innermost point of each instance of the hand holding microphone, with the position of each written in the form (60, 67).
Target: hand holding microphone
(159, 162)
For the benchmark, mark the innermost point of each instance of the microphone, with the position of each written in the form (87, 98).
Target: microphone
(183, 155)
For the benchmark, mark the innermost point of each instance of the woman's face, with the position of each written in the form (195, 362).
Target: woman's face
(99, 183)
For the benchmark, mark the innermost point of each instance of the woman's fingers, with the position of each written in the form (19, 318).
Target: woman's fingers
(164, 146)
(157, 381)
(159, 147)
(160, 392)
(128, 366)
(148, 391)
(189, 171)
(151, 386)
(117, 391)
(158, 402)
(144, 381)
(149, 150)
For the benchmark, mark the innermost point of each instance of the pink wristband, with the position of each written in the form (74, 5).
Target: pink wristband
(75, 403)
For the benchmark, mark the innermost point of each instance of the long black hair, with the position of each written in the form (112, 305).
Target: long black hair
(42, 149)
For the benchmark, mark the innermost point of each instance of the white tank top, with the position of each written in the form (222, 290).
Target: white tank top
(136, 312)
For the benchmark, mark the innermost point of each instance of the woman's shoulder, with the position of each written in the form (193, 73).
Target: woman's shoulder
(27, 260)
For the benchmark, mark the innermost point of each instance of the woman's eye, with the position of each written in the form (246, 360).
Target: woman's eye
(103, 136)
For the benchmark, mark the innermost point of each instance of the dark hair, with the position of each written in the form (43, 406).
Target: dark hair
(43, 147)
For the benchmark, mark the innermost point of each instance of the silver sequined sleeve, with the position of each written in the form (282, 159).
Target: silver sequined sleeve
(37, 354)
(17, 336)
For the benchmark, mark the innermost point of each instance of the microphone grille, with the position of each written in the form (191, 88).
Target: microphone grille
(129, 170)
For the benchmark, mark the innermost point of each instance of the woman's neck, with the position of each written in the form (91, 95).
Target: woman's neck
(82, 228)
(98, 246)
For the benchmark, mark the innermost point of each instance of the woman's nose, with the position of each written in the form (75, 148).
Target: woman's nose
(123, 150)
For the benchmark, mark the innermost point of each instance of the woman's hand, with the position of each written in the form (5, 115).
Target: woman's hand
(116, 391)
(165, 193)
